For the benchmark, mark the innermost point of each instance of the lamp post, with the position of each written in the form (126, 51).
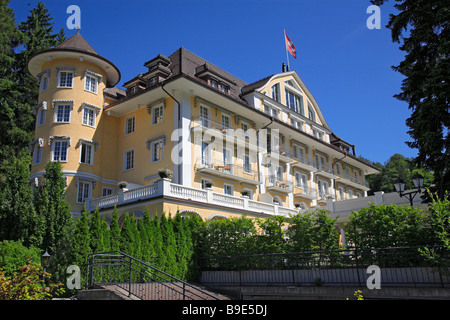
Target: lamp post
(399, 185)
(45, 260)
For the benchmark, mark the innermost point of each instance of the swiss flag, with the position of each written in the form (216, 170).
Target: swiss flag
(290, 46)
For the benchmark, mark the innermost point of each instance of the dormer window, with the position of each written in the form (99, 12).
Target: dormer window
(276, 92)
(295, 102)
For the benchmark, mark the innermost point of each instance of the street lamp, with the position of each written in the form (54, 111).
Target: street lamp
(399, 185)
(45, 260)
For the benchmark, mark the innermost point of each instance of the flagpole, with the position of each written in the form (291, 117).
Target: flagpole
(285, 45)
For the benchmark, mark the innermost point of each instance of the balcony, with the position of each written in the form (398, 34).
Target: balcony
(211, 128)
(164, 187)
(352, 181)
(306, 193)
(302, 163)
(219, 168)
(279, 154)
(325, 171)
(274, 183)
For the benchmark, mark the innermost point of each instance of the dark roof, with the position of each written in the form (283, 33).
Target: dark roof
(77, 42)
(253, 86)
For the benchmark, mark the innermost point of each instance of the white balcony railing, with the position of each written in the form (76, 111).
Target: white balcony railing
(164, 187)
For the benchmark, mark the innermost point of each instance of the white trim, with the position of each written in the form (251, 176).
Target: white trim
(125, 159)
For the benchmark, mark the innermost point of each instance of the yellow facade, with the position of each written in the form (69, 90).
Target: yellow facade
(233, 137)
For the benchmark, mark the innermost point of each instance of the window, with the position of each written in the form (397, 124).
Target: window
(87, 153)
(300, 180)
(350, 194)
(59, 151)
(276, 92)
(245, 127)
(44, 83)
(65, 79)
(298, 153)
(37, 154)
(297, 124)
(227, 189)
(204, 183)
(247, 166)
(62, 113)
(128, 161)
(107, 191)
(130, 125)
(323, 188)
(311, 112)
(40, 118)
(226, 122)
(90, 84)
(341, 193)
(318, 134)
(157, 114)
(204, 116)
(223, 88)
(89, 116)
(294, 102)
(157, 150)
(206, 154)
(271, 111)
(84, 191)
(227, 160)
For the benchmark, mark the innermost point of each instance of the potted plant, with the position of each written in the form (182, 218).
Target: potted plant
(123, 185)
(208, 184)
(245, 193)
(165, 174)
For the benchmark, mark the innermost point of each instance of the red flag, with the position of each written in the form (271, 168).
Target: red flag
(290, 46)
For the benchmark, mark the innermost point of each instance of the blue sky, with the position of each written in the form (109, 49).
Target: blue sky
(345, 65)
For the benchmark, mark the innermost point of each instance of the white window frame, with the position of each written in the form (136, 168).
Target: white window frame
(81, 198)
(153, 149)
(91, 155)
(43, 85)
(94, 117)
(125, 159)
(40, 116)
(106, 191)
(299, 152)
(59, 105)
(37, 153)
(228, 187)
(88, 84)
(300, 177)
(275, 92)
(324, 188)
(160, 118)
(54, 143)
(59, 78)
(133, 129)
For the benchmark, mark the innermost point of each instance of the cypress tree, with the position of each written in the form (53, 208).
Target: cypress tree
(18, 218)
(50, 203)
(96, 232)
(81, 241)
(114, 232)
(156, 241)
(170, 262)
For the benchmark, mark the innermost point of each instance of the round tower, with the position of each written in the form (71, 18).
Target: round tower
(72, 77)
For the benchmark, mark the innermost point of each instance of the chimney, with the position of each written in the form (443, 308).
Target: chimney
(283, 67)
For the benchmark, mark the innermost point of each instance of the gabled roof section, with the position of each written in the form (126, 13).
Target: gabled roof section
(262, 84)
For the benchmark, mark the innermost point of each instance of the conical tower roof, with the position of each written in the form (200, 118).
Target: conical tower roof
(75, 47)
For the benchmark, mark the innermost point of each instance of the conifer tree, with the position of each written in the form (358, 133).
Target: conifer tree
(114, 232)
(96, 232)
(81, 241)
(106, 236)
(156, 241)
(168, 236)
(51, 204)
(18, 218)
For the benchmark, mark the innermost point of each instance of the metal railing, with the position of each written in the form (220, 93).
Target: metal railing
(401, 266)
(139, 279)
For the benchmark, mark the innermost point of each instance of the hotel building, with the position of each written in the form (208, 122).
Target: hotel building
(261, 148)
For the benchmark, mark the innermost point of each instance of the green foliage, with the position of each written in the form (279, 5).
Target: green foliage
(27, 284)
(401, 167)
(386, 226)
(14, 255)
(421, 28)
(51, 204)
(18, 218)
